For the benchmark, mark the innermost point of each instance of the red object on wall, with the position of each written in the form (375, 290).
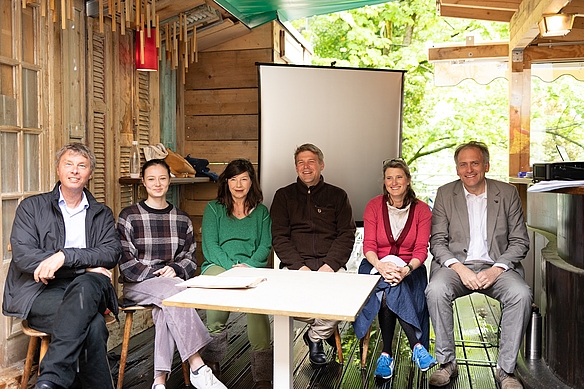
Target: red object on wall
(146, 51)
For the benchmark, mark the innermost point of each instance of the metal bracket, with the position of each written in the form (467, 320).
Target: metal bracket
(517, 55)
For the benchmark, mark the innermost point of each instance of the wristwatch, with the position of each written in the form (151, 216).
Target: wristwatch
(411, 269)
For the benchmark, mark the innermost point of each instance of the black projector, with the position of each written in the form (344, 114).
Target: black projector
(569, 171)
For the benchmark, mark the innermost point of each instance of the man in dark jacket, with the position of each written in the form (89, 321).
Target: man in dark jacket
(63, 243)
(313, 229)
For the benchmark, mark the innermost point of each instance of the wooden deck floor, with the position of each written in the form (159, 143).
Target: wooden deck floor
(476, 318)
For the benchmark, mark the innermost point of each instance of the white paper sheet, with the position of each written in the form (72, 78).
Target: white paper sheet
(222, 282)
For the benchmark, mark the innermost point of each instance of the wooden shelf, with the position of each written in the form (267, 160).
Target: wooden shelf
(173, 180)
(516, 180)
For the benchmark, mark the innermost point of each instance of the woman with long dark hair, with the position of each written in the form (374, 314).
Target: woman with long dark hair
(237, 233)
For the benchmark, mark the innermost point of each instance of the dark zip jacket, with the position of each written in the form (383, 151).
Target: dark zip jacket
(39, 231)
(312, 226)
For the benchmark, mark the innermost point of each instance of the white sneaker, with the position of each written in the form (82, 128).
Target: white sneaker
(205, 379)
(158, 386)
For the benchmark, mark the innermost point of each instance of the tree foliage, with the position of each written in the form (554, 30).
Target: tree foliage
(557, 118)
(396, 35)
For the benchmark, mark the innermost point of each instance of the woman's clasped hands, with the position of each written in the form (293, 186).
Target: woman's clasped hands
(391, 273)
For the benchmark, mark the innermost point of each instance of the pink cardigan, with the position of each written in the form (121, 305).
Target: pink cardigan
(415, 244)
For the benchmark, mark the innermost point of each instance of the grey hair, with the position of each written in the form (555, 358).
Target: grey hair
(77, 148)
(482, 147)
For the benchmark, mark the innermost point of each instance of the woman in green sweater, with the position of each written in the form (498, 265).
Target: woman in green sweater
(237, 233)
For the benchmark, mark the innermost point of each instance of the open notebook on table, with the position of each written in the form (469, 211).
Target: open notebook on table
(218, 282)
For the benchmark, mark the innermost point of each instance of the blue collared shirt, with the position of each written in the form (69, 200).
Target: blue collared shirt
(74, 222)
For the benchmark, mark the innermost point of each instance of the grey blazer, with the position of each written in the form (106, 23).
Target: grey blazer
(507, 237)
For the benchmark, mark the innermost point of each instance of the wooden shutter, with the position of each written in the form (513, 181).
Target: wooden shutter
(97, 112)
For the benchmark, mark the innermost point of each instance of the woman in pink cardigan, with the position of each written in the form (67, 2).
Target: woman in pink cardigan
(397, 231)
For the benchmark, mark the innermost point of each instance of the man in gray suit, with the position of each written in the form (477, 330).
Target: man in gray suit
(478, 240)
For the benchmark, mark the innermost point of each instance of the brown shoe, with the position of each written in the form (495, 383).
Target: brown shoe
(443, 374)
(506, 380)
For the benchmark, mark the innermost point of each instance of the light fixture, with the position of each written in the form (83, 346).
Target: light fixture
(555, 24)
(146, 51)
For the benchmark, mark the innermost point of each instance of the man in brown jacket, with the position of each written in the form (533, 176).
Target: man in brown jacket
(313, 230)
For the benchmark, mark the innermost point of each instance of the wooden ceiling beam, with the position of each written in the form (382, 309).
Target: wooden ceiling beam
(575, 7)
(558, 53)
(169, 8)
(523, 27)
(492, 15)
(503, 5)
(493, 51)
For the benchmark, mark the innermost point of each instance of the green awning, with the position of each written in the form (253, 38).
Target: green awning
(253, 13)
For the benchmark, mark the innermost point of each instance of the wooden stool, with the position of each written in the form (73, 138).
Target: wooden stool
(32, 346)
(129, 311)
(45, 340)
(364, 345)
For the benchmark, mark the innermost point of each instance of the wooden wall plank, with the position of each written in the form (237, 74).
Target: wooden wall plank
(224, 36)
(226, 69)
(195, 208)
(221, 102)
(216, 27)
(199, 191)
(227, 127)
(223, 151)
(258, 38)
(221, 111)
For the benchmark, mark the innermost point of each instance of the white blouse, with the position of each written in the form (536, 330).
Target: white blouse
(397, 219)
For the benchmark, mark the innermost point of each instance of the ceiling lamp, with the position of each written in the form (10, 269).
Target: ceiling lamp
(146, 51)
(555, 24)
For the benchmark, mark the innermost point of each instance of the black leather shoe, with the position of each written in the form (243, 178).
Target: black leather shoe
(45, 385)
(316, 352)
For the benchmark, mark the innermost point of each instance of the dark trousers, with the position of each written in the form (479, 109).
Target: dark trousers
(71, 311)
(387, 322)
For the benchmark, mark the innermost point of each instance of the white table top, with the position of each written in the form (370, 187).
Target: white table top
(335, 296)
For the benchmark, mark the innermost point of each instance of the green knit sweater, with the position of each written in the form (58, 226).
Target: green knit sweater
(228, 241)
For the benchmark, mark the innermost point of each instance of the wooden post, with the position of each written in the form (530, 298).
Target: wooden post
(519, 114)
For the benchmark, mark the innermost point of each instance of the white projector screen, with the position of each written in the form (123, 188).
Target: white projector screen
(353, 115)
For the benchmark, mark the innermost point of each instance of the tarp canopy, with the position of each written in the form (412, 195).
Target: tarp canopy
(256, 12)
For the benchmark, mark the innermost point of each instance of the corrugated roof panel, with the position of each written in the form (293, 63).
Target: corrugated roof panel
(256, 12)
